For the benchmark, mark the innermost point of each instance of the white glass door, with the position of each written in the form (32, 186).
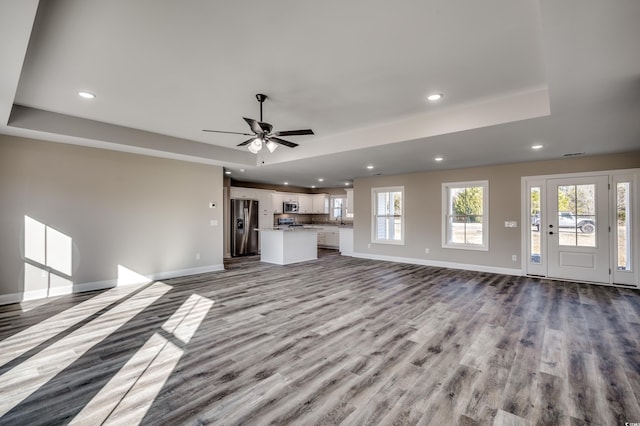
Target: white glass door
(577, 229)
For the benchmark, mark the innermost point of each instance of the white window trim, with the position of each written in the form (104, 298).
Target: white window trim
(485, 215)
(344, 213)
(374, 191)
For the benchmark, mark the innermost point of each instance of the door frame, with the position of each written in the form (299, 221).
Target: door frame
(616, 277)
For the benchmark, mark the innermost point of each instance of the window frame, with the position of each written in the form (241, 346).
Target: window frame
(343, 208)
(446, 191)
(374, 215)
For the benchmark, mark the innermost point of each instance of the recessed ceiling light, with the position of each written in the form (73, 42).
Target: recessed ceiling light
(286, 183)
(370, 166)
(438, 159)
(227, 172)
(347, 184)
(321, 180)
(313, 186)
(242, 170)
(536, 146)
(86, 95)
(435, 97)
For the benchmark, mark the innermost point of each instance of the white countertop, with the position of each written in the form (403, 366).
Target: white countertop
(287, 229)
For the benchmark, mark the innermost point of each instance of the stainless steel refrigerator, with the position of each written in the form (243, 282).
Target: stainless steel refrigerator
(244, 221)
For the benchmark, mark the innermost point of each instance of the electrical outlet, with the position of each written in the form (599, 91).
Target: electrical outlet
(426, 251)
(514, 257)
(368, 245)
(197, 256)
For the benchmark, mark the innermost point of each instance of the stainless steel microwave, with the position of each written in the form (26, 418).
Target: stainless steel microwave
(290, 207)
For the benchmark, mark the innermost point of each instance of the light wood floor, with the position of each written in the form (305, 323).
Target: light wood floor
(333, 341)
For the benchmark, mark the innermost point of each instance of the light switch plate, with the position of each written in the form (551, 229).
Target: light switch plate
(511, 224)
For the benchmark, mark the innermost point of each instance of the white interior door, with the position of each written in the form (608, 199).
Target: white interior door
(577, 228)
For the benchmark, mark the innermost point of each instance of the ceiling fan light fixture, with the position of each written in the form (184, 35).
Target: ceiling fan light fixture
(255, 146)
(435, 97)
(271, 146)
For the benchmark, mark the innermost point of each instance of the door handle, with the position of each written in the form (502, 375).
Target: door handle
(550, 226)
(550, 232)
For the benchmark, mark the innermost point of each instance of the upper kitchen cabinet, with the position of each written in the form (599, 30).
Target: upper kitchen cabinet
(264, 197)
(265, 201)
(349, 200)
(290, 197)
(320, 204)
(237, 192)
(277, 199)
(305, 203)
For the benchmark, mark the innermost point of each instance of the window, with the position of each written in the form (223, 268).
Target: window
(388, 215)
(577, 215)
(623, 226)
(338, 208)
(535, 249)
(466, 215)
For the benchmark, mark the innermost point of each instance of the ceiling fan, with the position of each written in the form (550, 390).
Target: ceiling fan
(263, 134)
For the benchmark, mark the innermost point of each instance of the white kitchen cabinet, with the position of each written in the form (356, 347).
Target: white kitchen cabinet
(305, 203)
(349, 200)
(237, 192)
(290, 197)
(265, 200)
(265, 220)
(283, 247)
(328, 237)
(277, 199)
(333, 238)
(346, 241)
(320, 203)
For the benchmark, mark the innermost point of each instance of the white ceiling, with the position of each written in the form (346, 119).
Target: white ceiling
(514, 73)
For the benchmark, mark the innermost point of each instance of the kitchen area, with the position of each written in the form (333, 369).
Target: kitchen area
(288, 227)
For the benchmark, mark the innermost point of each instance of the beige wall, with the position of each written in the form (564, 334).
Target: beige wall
(423, 209)
(148, 214)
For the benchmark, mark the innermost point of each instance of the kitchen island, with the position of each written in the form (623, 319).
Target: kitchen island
(288, 245)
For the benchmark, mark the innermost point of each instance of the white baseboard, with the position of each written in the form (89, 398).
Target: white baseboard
(6, 299)
(440, 264)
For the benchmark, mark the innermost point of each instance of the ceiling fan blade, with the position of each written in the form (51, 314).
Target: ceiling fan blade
(294, 132)
(231, 133)
(255, 126)
(247, 142)
(266, 127)
(283, 142)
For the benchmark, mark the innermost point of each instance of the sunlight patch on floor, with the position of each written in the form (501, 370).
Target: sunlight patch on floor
(129, 394)
(27, 377)
(27, 339)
